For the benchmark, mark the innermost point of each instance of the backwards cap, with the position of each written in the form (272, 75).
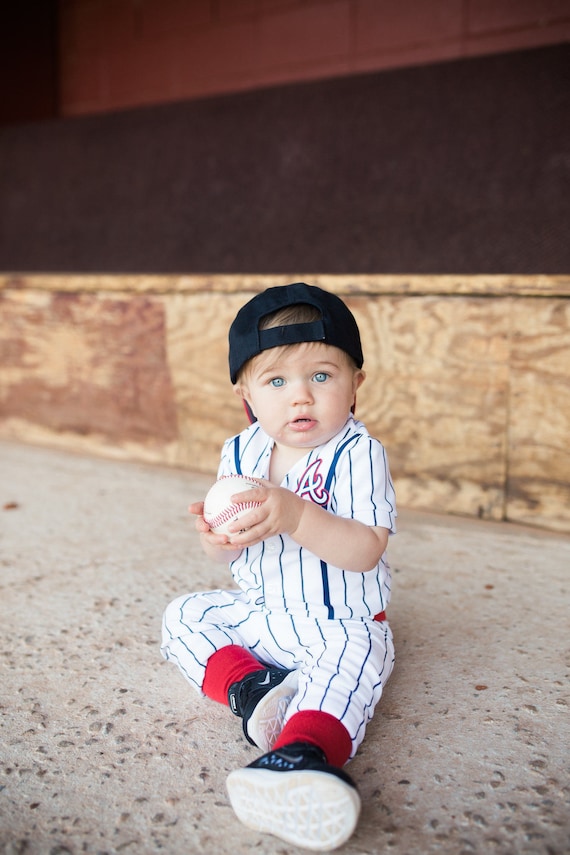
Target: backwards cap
(336, 326)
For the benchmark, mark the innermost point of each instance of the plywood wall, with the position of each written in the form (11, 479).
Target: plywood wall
(468, 378)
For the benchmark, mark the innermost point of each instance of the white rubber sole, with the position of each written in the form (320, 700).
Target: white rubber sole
(266, 721)
(311, 809)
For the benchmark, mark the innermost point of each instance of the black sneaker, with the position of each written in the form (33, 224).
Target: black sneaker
(296, 795)
(261, 700)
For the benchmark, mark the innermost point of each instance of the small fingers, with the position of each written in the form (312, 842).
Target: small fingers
(247, 521)
(201, 525)
(254, 494)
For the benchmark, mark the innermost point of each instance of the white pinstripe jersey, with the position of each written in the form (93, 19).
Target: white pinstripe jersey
(348, 476)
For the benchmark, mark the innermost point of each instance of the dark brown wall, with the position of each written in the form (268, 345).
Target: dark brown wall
(457, 167)
(28, 61)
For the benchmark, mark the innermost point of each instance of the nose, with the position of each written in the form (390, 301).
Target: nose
(301, 393)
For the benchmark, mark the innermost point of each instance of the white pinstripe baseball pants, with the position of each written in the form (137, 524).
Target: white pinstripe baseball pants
(343, 664)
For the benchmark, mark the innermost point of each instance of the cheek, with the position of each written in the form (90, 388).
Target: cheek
(263, 400)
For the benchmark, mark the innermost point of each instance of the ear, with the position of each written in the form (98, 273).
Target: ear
(359, 378)
(240, 391)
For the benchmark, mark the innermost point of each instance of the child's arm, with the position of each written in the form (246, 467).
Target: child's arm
(346, 543)
(216, 546)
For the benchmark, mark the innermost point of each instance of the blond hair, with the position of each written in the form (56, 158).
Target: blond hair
(300, 313)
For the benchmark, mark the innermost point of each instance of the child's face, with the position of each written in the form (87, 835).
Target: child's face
(301, 394)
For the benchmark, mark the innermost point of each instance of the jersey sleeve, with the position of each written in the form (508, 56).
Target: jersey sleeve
(227, 464)
(363, 488)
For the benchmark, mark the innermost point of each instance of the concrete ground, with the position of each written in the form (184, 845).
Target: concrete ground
(105, 749)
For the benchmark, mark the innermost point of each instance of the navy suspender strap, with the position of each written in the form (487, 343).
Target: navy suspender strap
(324, 565)
(236, 456)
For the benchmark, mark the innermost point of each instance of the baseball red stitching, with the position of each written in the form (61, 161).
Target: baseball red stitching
(229, 513)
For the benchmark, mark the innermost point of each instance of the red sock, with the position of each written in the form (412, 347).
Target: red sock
(320, 729)
(225, 667)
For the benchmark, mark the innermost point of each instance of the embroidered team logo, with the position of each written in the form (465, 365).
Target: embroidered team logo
(311, 485)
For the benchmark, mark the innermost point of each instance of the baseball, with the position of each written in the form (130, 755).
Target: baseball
(219, 511)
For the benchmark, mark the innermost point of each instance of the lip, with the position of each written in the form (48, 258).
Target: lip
(302, 424)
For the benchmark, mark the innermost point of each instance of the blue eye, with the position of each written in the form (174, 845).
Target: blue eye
(277, 382)
(320, 377)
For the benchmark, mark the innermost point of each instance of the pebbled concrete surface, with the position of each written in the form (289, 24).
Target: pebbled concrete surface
(105, 749)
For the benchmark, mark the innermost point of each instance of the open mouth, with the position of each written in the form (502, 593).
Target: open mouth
(303, 423)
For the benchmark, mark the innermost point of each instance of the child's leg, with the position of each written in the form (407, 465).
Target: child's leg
(298, 791)
(226, 667)
(321, 729)
(208, 636)
(293, 793)
(195, 626)
(350, 668)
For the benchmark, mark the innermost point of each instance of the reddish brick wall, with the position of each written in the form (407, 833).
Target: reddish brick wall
(121, 53)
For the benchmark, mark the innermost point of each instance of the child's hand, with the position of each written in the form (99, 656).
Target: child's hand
(279, 512)
(213, 543)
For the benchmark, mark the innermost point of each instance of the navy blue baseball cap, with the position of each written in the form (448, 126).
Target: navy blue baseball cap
(336, 325)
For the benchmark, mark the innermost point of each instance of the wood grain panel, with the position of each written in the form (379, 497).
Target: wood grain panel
(539, 424)
(83, 365)
(208, 410)
(468, 390)
(436, 394)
